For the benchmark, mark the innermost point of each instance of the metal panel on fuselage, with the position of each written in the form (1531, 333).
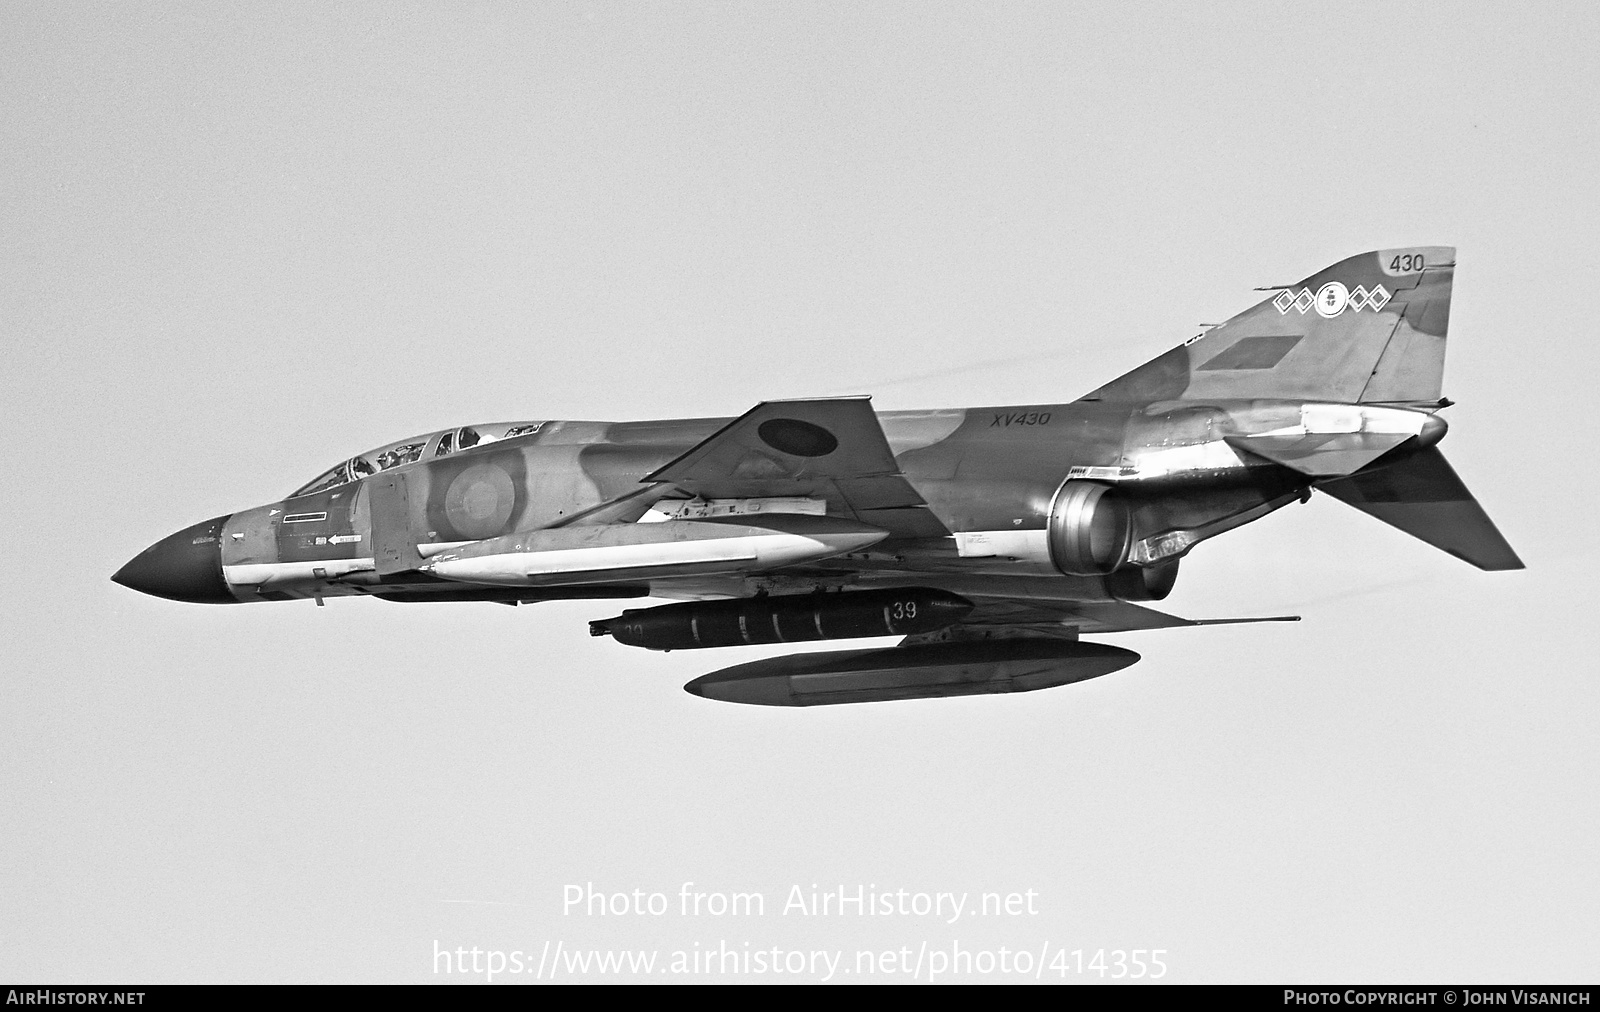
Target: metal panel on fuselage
(320, 526)
(979, 469)
(982, 468)
(1002, 465)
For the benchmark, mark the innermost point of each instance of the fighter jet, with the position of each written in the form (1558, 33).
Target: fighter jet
(988, 539)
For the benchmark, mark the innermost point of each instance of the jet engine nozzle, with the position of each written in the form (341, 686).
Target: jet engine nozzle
(1090, 529)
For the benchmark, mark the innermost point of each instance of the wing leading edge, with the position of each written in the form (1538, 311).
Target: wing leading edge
(1018, 617)
(829, 448)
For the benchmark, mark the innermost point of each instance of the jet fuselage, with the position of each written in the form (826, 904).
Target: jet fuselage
(987, 475)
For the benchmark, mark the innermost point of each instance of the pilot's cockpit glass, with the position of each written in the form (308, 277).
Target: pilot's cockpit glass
(353, 469)
(326, 479)
(331, 478)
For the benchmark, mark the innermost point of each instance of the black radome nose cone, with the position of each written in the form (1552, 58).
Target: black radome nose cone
(186, 566)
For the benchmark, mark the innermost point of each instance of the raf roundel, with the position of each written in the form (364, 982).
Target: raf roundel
(479, 500)
(1331, 299)
(796, 437)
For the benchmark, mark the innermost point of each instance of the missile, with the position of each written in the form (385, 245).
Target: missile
(914, 672)
(792, 618)
(626, 553)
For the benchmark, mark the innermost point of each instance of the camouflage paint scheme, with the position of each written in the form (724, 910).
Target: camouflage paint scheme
(1333, 383)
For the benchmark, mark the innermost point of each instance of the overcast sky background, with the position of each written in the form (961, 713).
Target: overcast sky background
(239, 243)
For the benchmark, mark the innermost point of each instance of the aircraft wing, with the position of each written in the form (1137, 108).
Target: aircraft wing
(831, 448)
(1055, 617)
(1017, 617)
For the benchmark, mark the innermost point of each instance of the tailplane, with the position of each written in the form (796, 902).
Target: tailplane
(1370, 330)
(1421, 495)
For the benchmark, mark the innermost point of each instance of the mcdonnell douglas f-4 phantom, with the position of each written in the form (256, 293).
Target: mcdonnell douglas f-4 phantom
(989, 539)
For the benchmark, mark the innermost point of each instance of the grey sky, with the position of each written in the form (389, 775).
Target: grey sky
(240, 243)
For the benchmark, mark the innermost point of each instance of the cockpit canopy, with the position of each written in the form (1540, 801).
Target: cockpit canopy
(407, 451)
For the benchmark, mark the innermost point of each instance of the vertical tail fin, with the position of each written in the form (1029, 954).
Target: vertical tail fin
(1369, 329)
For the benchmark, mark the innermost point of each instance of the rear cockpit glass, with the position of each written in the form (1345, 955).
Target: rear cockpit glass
(403, 454)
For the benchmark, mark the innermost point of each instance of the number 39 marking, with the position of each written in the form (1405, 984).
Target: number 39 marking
(1407, 263)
